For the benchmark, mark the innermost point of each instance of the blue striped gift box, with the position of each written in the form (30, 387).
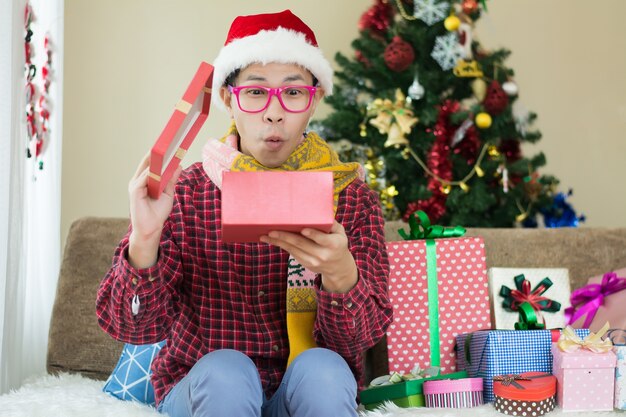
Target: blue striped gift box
(498, 352)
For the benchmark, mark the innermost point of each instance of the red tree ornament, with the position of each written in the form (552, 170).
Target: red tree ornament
(399, 54)
(496, 99)
(469, 6)
(377, 18)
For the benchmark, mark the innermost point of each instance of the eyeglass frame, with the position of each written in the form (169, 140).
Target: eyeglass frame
(273, 91)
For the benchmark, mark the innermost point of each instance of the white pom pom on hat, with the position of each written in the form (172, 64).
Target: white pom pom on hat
(266, 38)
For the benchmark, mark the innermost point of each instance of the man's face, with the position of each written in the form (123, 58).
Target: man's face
(270, 135)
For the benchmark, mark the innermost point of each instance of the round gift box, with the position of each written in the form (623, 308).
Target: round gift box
(454, 393)
(527, 394)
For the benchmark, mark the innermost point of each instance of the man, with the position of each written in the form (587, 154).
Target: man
(234, 345)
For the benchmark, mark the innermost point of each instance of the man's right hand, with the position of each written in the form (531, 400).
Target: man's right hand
(147, 216)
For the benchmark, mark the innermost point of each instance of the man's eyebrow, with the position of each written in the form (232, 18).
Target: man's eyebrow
(290, 78)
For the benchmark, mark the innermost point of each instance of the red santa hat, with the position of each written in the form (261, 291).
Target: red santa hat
(273, 37)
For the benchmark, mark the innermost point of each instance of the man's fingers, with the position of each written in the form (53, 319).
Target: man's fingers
(169, 188)
(144, 164)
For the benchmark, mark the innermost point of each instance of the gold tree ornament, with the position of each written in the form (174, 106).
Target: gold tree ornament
(396, 119)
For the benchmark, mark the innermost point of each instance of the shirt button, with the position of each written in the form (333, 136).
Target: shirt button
(261, 293)
(134, 281)
(151, 278)
(275, 348)
(349, 304)
(334, 303)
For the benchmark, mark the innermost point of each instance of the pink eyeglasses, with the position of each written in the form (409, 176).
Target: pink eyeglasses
(293, 98)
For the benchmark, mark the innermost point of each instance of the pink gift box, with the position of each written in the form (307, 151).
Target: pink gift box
(600, 305)
(461, 296)
(585, 379)
(255, 203)
(454, 393)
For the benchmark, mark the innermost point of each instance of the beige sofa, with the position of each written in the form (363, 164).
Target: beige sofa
(77, 345)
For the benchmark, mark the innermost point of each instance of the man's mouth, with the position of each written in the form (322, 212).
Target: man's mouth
(274, 142)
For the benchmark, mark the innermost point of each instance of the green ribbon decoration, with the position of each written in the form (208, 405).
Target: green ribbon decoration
(420, 228)
(528, 318)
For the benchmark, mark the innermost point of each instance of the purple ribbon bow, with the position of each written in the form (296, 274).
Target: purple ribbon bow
(587, 300)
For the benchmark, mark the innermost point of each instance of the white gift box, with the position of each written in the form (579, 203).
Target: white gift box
(559, 291)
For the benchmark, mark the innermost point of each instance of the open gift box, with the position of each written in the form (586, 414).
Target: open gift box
(255, 203)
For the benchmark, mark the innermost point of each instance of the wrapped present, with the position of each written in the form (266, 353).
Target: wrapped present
(454, 393)
(585, 370)
(288, 201)
(188, 116)
(547, 290)
(438, 289)
(403, 393)
(526, 394)
(602, 300)
(618, 337)
(490, 353)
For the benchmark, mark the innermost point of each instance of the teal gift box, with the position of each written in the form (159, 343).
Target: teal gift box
(404, 394)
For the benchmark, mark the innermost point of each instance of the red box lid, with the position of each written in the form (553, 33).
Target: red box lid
(537, 387)
(188, 117)
(255, 203)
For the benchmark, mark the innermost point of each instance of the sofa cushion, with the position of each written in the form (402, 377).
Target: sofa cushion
(75, 342)
(130, 380)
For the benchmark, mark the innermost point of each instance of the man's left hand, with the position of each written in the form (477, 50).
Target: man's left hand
(323, 253)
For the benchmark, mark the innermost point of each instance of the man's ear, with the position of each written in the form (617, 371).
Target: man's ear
(226, 97)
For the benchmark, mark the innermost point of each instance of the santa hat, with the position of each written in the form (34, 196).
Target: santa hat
(273, 37)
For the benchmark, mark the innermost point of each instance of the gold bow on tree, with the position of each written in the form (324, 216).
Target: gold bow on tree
(571, 342)
(393, 118)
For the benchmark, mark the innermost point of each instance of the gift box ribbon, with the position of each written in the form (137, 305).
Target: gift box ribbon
(513, 299)
(420, 228)
(512, 379)
(571, 342)
(528, 318)
(587, 300)
(617, 337)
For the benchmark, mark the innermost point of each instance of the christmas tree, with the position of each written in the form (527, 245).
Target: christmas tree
(431, 114)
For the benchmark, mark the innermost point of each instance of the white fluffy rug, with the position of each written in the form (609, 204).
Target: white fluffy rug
(487, 410)
(76, 396)
(68, 396)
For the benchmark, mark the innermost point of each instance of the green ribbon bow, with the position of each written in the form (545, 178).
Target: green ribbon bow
(528, 318)
(420, 228)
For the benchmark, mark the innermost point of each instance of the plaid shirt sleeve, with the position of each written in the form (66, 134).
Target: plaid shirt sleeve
(353, 322)
(151, 290)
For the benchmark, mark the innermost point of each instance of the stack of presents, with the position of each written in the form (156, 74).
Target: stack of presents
(520, 339)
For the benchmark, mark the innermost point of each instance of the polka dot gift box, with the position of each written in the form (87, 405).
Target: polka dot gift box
(438, 289)
(585, 370)
(527, 394)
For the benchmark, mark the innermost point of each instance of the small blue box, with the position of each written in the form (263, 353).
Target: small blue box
(489, 353)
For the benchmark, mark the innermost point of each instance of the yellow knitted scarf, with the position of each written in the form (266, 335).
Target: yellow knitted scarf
(313, 154)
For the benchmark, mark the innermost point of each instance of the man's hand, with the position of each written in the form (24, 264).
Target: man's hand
(147, 216)
(323, 253)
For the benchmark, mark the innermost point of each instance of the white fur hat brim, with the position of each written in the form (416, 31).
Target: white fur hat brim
(280, 46)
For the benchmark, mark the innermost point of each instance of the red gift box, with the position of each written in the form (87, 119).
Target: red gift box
(430, 311)
(526, 394)
(255, 203)
(189, 115)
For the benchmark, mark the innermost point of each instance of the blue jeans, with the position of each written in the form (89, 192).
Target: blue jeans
(226, 383)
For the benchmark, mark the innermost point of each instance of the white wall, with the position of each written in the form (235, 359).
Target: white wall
(128, 62)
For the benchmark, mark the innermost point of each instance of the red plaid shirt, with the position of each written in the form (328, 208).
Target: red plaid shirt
(204, 295)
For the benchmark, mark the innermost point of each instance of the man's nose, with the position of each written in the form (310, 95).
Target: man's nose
(274, 112)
